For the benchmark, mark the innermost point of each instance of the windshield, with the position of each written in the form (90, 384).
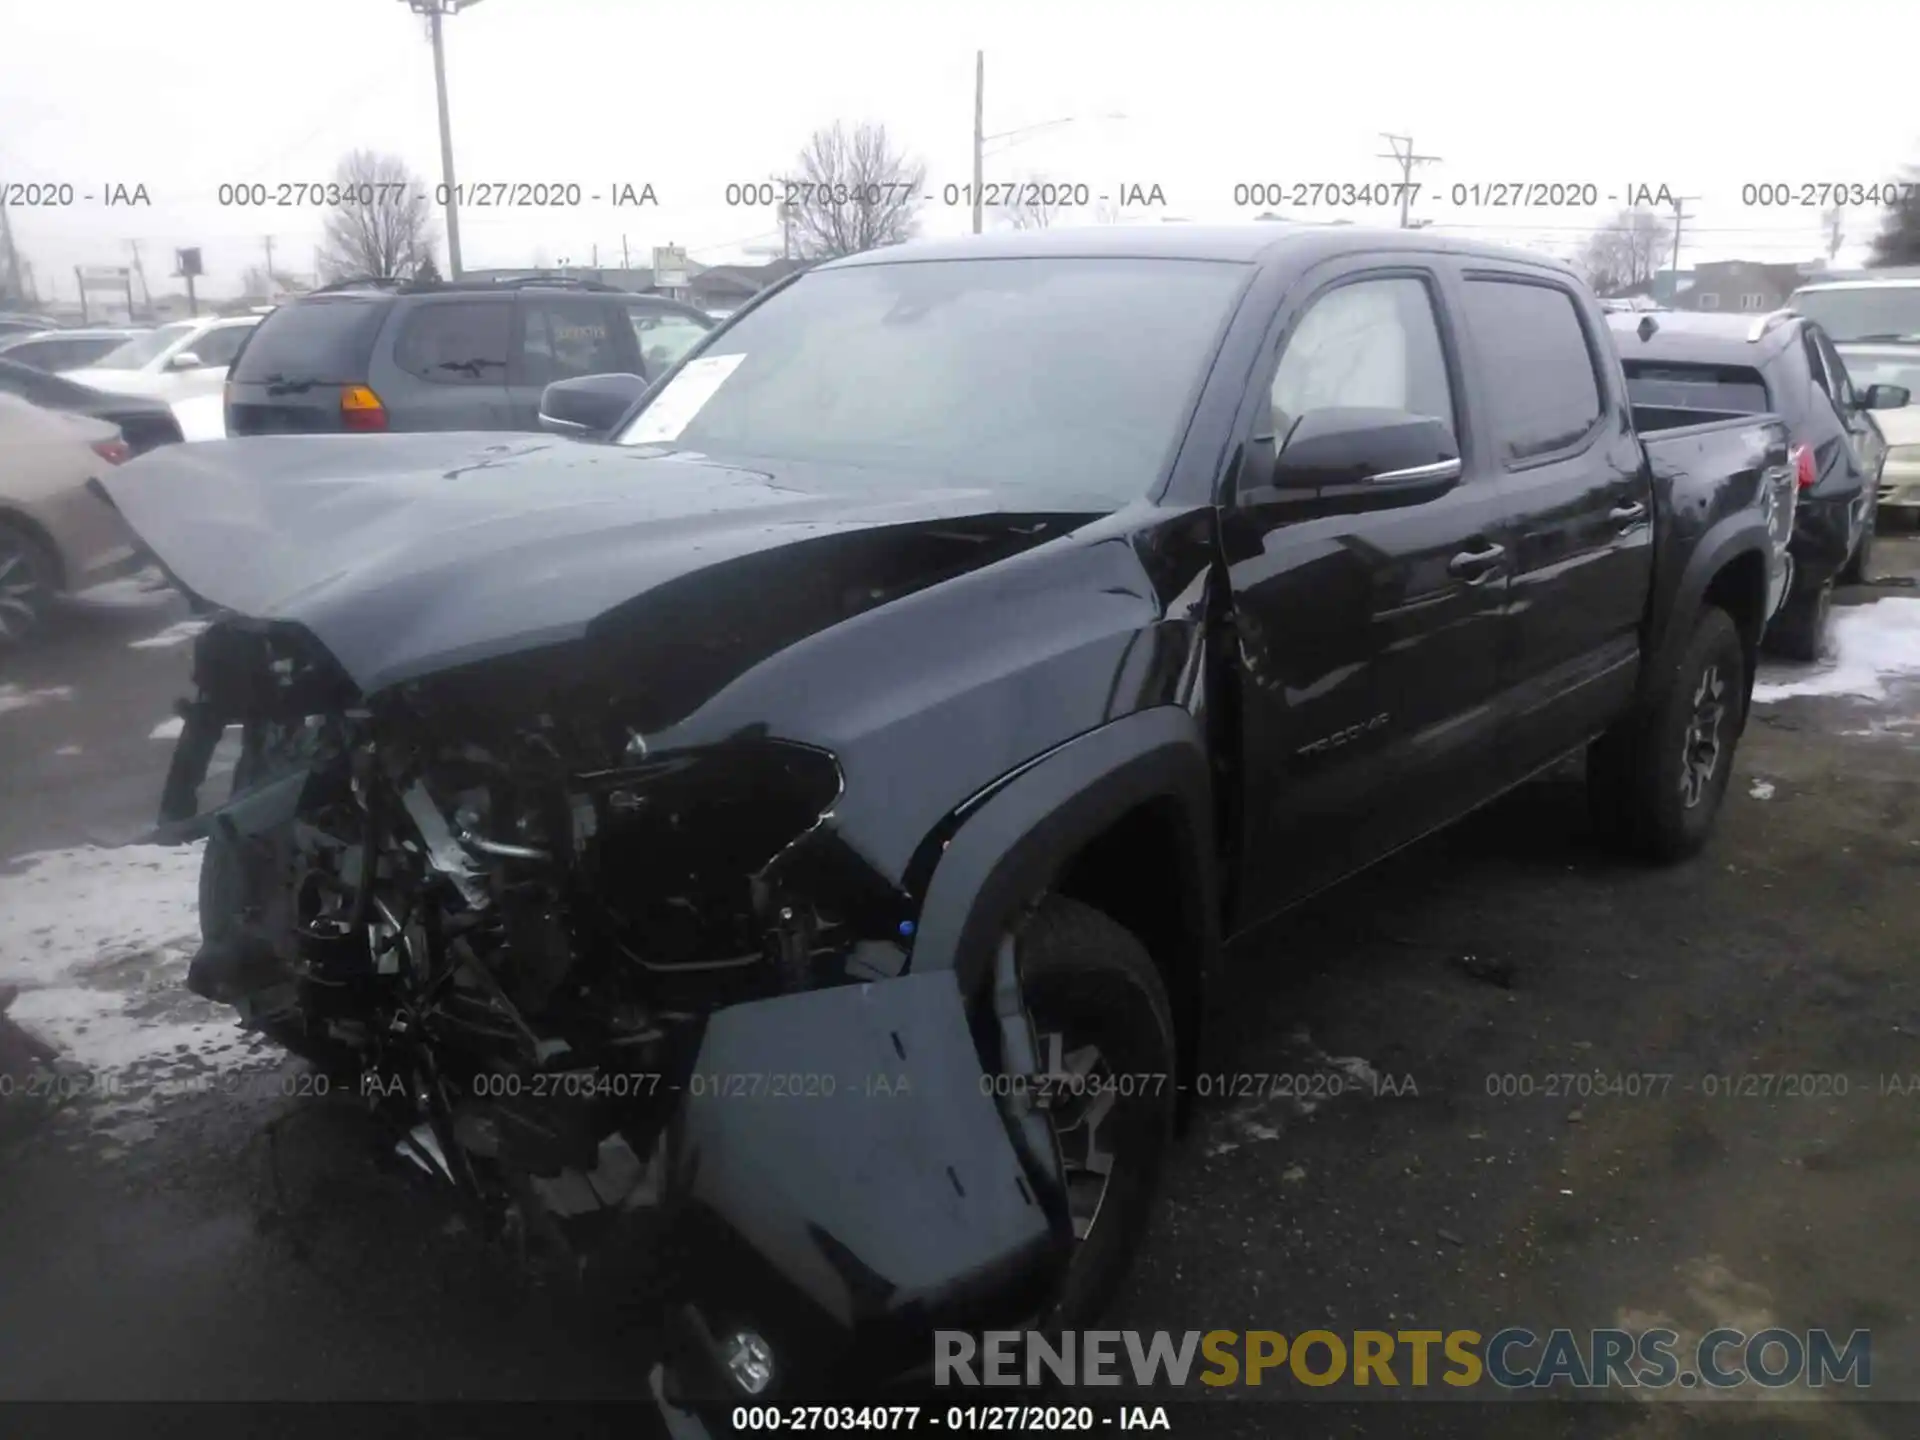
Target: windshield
(1069, 376)
(1877, 312)
(143, 349)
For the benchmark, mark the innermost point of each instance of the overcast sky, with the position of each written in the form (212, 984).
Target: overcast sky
(183, 96)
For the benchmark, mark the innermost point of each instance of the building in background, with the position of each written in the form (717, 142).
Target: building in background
(1752, 286)
(716, 288)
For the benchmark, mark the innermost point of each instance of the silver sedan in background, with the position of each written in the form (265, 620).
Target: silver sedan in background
(56, 532)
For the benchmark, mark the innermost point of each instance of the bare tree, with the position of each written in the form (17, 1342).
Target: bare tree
(854, 192)
(1035, 204)
(1108, 212)
(1630, 248)
(384, 225)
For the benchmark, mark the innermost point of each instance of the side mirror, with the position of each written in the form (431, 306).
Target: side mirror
(589, 406)
(185, 360)
(1378, 452)
(1885, 397)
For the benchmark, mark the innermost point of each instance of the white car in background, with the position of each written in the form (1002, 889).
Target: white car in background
(176, 362)
(1875, 325)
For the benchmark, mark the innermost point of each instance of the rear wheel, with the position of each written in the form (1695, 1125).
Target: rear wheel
(1105, 1033)
(1655, 782)
(29, 577)
(1858, 569)
(1798, 631)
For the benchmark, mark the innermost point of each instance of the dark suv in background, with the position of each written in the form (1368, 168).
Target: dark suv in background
(373, 355)
(1784, 364)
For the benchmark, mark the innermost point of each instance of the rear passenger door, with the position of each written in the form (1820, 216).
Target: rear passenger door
(1558, 440)
(446, 366)
(562, 337)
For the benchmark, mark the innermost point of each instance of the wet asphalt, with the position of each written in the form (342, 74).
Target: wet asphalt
(247, 1246)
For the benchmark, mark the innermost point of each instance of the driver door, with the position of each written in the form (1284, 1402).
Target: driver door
(1368, 640)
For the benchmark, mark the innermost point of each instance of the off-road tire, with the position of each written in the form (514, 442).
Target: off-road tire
(1086, 974)
(1800, 628)
(1635, 772)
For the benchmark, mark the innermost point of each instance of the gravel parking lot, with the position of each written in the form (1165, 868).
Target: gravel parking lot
(1472, 1155)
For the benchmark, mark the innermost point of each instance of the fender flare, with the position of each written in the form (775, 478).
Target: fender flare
(1724, 542)
(1012, 841)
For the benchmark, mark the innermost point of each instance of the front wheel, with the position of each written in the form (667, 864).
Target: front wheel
(28, 579)
(1655, 781)
(1105, 1036)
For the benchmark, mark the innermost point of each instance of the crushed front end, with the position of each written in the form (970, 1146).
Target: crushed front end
(644, 1013)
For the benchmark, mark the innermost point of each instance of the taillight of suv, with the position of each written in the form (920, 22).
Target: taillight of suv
(115, 451)
(361, 410)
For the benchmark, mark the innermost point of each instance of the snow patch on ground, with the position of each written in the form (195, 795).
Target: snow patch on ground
(167, 729)
(1762, 790)
(142, 591)
(175, 634)
(12, 697)
(99, 941)
(1868, 645)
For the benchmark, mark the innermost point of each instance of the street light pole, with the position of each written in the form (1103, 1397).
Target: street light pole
(979, 134)
(433, 10)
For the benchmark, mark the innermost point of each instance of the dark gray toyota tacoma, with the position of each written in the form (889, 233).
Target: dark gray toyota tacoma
(783, 852)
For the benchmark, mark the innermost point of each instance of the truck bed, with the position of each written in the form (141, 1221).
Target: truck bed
(1689, 449)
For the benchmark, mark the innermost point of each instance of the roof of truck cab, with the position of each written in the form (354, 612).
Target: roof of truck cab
(1251, 243)
(1701, 337)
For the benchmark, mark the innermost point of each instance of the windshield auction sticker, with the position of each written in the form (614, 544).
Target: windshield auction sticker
(673, 408)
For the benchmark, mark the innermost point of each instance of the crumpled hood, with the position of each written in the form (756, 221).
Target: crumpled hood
(409, 554)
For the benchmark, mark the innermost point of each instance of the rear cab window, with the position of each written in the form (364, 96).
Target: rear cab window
(327, 340)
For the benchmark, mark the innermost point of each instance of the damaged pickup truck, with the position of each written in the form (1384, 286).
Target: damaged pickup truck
(786, 832)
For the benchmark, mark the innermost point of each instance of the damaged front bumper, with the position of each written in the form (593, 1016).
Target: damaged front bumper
(848, 1187)
(832, 1178)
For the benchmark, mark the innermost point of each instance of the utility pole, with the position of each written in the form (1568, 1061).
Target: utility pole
(140, 269)
(1680, 218)
(1403, 155)
(625, 263)
(979, 129)
(13, 255)
(1836, 230)
(270, 282)
(433, 10)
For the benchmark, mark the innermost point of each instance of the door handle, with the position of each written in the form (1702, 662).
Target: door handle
(1629, 514)
(1473, 566)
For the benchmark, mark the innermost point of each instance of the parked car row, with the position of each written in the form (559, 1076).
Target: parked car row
(1693, 368)
(1875, 327)
(366, 357)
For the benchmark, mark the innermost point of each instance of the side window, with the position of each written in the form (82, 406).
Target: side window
(1541, 386)
(1838, 381)
(1373, 343)
(456, 342)
(563, 339)
(219, 345)
(663, 335)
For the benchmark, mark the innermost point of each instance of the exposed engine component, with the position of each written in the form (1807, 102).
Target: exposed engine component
(506, 931)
